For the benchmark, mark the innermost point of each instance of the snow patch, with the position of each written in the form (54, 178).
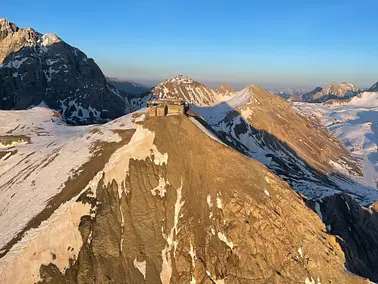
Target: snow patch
(160, 189)
(224, 239)
(219, 201)
(166, 269)
(141, 266)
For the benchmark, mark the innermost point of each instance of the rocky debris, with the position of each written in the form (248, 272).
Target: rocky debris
(42, 69)
(151, 221)
(356, 229)
(331, 91)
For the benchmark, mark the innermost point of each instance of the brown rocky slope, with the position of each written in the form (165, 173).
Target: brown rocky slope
(184, 213)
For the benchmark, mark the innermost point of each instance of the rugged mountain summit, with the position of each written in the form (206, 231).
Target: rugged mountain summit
(41, 68)
(331, 91)
(129, 213)
(193, 92)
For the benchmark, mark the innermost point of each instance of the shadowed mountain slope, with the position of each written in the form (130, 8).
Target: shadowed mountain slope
(42, 69)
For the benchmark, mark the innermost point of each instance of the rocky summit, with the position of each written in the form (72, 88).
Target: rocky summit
(191, 91)
(42, 69)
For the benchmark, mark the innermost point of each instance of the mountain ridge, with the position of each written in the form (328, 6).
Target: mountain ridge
(141, 218)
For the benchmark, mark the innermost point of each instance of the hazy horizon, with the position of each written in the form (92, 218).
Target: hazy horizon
(275, 45)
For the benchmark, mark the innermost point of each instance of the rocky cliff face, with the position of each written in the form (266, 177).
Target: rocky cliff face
(153, 200)
(41, 68)
(358, 230)
(331, 91)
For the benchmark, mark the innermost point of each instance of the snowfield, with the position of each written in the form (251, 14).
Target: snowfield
(355, 124)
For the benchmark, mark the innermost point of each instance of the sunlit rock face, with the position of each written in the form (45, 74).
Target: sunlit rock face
(157, 200)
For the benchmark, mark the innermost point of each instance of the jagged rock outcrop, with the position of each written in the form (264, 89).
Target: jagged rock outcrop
(159, 204)
(331, 91)
(41, 68)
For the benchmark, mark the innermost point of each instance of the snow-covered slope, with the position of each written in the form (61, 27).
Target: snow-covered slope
(355, 124)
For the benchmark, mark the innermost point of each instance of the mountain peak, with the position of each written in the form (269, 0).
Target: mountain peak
(181, 79)
(49, 39)
(185, 88)
(63, 77)
(7, 28)
(224, 89)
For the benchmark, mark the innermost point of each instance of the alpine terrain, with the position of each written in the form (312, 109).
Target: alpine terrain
(150, 200)
(182, 183)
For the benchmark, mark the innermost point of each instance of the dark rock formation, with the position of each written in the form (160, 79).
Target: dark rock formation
(357, 231)
(41, 68)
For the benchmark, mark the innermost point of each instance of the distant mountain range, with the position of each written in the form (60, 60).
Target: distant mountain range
(128, 86)
(287, 93)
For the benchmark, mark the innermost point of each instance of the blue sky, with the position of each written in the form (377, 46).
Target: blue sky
(271, 43)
